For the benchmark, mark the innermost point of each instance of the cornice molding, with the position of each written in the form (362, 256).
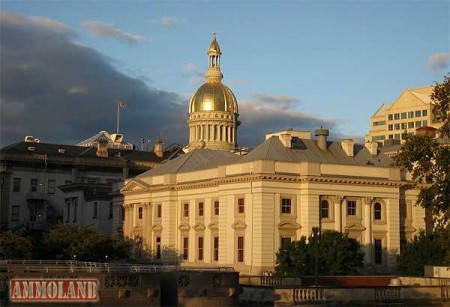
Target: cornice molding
(207, 183)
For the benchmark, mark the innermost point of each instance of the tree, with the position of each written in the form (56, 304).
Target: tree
(428, 160)
(425, 250)
(14, 245)
(337, 254)
(68, 241)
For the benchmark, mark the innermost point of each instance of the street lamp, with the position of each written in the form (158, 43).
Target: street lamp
(315, 237)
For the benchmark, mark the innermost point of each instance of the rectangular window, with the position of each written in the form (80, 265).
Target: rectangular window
(140, 211)
(396, 116)
(241, 205)
(379, 123)
(397, 126)
(240, 249)
(67, 181)
(424, 123)
(424, 113)
(351, 207)
(324, 209)
(286, 206)
(158, 247)
(75, 208)
(418, 113)
(110, 215)
(200, 248)
(391, 127)
(403, 125)
(51, 187)
(391, 136)
(200, 209)
(185, 248)
(378, 251)
(216, 249)
(158, 211)
(377, 138)
(285, 242)
(390, 117)
(15, 214)
(16, 184)
(95, 210)
(397, 136)
(34, 184)
(403, 115)
(68, 202)
(411, 114)
(186, 210)
(410, 125)
(216, 207)
(418, 124)
(123, 213)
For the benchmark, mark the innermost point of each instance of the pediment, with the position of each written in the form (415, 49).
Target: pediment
(184, 227)
(289, 226)
(137, 230)
(408, 228)
(406, 99)
(199, 226)
(356, 227)
(157, 227)
(238, 225)
(213, 226)
(134, 185)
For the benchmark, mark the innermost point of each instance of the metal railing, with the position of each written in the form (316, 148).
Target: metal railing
(85, 266)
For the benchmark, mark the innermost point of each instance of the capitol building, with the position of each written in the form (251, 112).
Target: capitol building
(214, 207)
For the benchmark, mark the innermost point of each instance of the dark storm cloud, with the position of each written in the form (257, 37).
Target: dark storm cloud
(60, 91)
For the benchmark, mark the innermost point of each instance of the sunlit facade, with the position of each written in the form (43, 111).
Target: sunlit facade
(213, 207)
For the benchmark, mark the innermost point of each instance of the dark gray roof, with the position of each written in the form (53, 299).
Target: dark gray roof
(71, 151)
(305, 150)
(195, 160)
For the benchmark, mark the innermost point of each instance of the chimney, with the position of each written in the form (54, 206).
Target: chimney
(347, 147)
(159, 148)
(286, 139)
(102, 148)
(372, 147)
(321, 137)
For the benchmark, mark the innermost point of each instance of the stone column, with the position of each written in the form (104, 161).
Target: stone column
(344, 214)
(367, 222)
(338, 213)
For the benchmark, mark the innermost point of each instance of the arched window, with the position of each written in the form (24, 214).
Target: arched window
(324, 209)
(377, 211)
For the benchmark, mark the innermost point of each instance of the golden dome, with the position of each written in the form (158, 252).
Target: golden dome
(213, 96)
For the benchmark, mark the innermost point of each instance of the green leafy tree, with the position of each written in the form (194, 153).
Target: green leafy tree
(15, 245)
(425, 250)
(428, 160)
(68, 241)
(337, 254)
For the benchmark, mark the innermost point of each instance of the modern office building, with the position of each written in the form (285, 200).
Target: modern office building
(412, 110)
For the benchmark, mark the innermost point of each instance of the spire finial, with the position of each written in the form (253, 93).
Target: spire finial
(214, 35)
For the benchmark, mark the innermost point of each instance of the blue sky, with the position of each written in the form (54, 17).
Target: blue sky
(334, 62)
